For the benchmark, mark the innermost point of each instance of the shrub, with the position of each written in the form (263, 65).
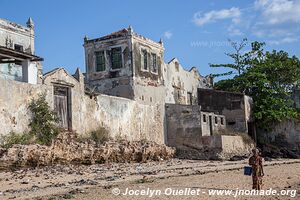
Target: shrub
(7, 141)
(100, 135)
(43, 124)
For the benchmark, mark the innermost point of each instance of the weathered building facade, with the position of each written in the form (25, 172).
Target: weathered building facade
(17, 59)
(187, 123)
(236, 107)
(126, 64)
(127, 89)
(181, 85)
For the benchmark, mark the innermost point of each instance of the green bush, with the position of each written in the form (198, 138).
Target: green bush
(7, 141)
(100, 135)
(43, 124)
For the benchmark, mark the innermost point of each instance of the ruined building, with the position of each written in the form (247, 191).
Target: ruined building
(17, 54)
(126, 64)
(127, 89)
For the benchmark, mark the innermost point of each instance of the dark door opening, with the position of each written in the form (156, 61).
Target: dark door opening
(210, 125)
(62, 107)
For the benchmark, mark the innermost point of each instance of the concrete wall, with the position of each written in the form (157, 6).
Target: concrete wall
(185, 124)
(122, 117)
(181, 85)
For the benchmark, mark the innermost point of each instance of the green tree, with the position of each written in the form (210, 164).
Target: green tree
(269, 78)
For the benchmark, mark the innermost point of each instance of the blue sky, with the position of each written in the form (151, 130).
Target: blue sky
(195, 31)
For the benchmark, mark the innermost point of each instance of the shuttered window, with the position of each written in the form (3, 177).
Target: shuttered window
(100, 61)
(116, 58)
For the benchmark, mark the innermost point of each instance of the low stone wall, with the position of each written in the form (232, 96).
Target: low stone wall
(187, 124)
(215, 147)
(66, 149)
(286, 133)
(282, 141)
(121, 117)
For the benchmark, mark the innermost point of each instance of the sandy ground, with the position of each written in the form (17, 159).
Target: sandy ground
(101, 181)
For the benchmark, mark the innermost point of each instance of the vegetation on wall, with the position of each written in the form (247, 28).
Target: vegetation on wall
(269, 77)
(7, 141)
(43, 124)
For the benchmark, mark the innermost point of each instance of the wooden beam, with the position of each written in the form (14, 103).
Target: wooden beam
(10, 61)
(11, 57)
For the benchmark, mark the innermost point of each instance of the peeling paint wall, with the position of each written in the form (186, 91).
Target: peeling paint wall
(116, 82)
(132, 80)
(181, 85)
(148, 84)
(122, 117)
(12, 33)
(15, 98)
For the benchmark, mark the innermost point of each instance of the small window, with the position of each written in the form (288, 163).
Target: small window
(216, 120)
(154, 63)
(100, 61)
(190, 98)
(116, 58)
(231, 123)
(18, 47)
(177, 66)
(144, 60)
(222, 121)
(204, 117)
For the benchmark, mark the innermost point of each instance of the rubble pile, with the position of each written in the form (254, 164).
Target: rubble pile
(66, 149)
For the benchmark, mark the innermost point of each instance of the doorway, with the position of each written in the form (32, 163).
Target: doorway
(210, 125)
(62, 106)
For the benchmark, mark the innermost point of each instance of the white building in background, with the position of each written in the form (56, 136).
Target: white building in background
(17, 53)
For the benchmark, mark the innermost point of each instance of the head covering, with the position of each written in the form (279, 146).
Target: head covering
(255, 151)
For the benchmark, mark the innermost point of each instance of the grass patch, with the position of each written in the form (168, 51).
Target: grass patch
(99, 136)
(7, 141)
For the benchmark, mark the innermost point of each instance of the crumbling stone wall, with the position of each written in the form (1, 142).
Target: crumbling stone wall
(181, 85)
(148, 85)
(122, 117)
(12, 33)
(116, 82)
(131, 80)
